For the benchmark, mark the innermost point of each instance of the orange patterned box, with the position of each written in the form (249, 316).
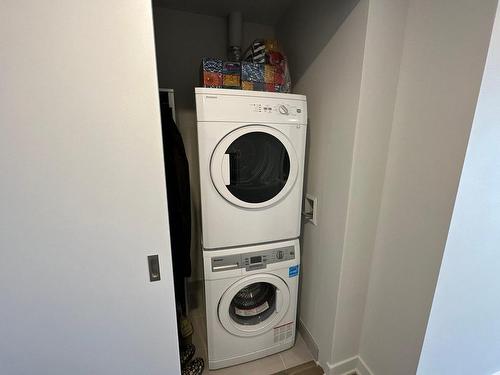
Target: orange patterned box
(212, 79)
(231, 80)
(247, 85)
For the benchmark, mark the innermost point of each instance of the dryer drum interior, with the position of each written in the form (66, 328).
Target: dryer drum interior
(259, 165)
(253, 304)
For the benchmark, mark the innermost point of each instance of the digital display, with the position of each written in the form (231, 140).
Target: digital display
(255, 260)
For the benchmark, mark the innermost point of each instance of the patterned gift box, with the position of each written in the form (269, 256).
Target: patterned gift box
(259, 86)
(279, 75)
(247, 85)
(211, 72)
(252, 72)
(271, 87)
(231, 81)
(269, 73)
(232, 68)
(210, 64)
(212, 79)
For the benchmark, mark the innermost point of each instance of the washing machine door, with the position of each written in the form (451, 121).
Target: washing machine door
(254, 305)
(254, 166)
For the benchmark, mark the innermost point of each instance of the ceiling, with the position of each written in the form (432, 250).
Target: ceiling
(266, 12)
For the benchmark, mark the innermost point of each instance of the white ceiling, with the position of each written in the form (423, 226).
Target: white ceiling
(266, 12)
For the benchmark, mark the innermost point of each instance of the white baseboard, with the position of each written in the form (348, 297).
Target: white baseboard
(345, 367)
(350, 366)
(362, 368)
(308, 339)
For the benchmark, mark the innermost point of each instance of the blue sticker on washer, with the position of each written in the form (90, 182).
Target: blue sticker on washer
(293, 271)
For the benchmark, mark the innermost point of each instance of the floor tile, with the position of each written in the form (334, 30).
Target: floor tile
(308, 368)
(296, 355)
(264, 366)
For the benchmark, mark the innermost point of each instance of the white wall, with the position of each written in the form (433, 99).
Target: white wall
(82, 192)
(182, 40)
(463, 334)
(369, 273)
(306, 27)
(382, 57)
(332, 84)
(443, 58)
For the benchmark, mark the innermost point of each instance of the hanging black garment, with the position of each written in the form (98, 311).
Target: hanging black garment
(178, 197)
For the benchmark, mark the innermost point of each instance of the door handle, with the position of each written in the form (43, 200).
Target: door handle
(226, 267)
(226, 169)
(154, 268)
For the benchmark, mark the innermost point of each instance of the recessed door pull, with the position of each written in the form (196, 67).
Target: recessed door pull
(154, 268)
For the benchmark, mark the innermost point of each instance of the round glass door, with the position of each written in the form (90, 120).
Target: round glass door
(254, 166)
(254, 304)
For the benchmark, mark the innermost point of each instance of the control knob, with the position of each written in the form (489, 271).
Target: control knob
(283, 109)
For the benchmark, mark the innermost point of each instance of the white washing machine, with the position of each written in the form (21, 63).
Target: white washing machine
(251, 301)
(251, 156)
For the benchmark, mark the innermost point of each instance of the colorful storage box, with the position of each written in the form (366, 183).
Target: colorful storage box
(252, 72)
(247, 85)
(231, 72)
(212, 72)
(269, 73)
(259, 86)
(271, 87)
(245, 75)
(231, 81)
(212, 65)
(231, 67)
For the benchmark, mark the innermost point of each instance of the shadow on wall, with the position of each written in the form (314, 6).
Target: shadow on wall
(304, 221)
(183, 39)
(306, 27)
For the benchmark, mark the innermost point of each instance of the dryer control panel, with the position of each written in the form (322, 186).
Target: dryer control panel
(250, 107)
(254, 260)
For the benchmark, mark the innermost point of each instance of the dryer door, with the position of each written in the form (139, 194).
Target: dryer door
(254, 305)
(254, 166)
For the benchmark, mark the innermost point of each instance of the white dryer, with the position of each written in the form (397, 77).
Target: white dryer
(251, 157)
(251, 301)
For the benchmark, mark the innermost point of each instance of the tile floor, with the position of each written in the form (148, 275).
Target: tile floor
(269, 365)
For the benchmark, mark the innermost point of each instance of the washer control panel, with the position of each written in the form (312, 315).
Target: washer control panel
(254, 260)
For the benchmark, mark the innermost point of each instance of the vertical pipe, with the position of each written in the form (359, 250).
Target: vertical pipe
(234, 32)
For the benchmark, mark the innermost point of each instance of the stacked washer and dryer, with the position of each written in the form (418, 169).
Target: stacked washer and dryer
(251, 157)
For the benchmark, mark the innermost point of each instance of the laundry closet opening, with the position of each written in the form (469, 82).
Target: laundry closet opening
(237, 74)
(234, 148)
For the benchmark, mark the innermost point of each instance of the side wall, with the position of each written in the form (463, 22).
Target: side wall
(382, 58)
(443, 59)
(306, 28)
(387, 189)
(463, 334)
(332, 84)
